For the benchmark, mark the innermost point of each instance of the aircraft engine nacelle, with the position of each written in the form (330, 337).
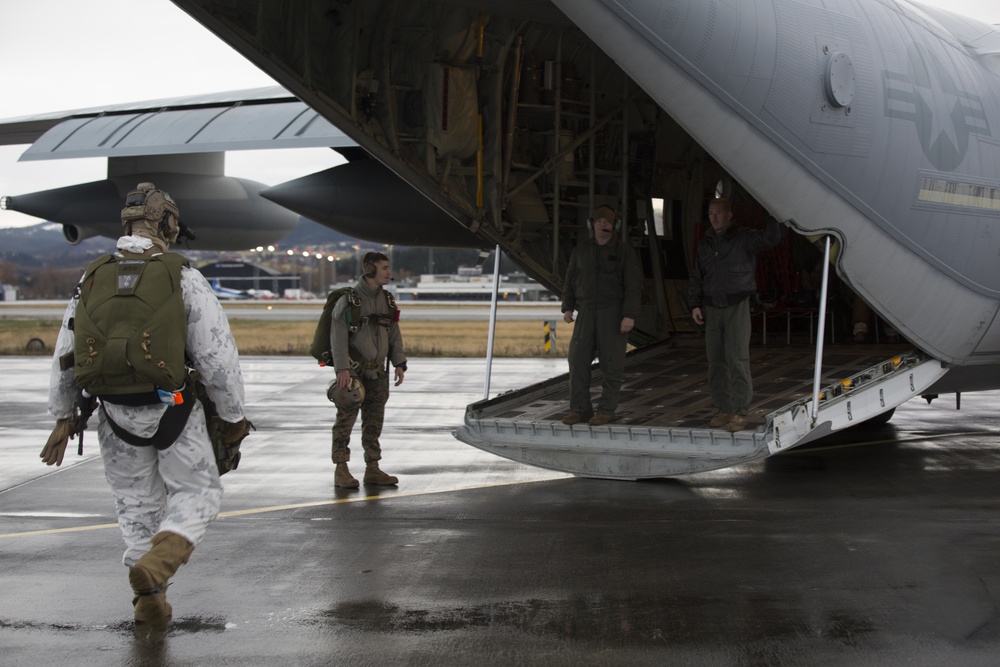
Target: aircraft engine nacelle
(75, 234)
(225, 213)
(365, 200)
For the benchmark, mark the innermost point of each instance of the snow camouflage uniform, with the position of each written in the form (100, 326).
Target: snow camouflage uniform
(134, 318)
(176, 489)
(369, 347)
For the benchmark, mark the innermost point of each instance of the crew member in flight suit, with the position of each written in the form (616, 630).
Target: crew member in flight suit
(165, 482)
(604, 285)
(719, 289)
(362, 354)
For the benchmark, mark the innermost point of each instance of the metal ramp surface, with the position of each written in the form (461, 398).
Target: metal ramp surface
(662, 430)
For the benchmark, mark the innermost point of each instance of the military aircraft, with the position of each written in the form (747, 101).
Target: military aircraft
(871, 128)
(179, 144)
(868, 127)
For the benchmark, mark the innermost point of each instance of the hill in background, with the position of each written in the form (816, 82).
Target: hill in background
(43, 244)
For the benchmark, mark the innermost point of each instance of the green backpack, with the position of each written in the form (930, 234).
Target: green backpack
(130, 329)
(320, 348)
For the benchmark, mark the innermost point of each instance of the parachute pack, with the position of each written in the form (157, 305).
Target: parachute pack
(320, 348)
(130, 328)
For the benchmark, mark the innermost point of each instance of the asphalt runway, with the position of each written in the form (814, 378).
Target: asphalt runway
(881, 547)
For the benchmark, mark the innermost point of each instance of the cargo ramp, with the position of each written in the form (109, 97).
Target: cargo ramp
(662, 430)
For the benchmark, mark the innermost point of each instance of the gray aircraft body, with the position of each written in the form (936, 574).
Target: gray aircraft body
(874, 121)
(872, 124)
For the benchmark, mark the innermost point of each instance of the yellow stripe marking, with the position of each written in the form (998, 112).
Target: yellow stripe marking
(276, 508)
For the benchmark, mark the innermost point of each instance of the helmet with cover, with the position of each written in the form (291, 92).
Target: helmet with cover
(151, 212)
(346, 398)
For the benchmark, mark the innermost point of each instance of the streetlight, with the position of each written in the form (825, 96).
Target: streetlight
(307, 272)
(291, 258)
(333, 260)
(322, 285)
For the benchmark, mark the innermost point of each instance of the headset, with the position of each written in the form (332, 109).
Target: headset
(184, 233)
(368, 263)
(139, 207)
(616, 220)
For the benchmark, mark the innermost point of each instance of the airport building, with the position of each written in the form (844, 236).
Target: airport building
(469, 284)
(250, 278)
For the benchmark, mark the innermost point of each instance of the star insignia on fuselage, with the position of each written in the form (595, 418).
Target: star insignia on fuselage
(944, 116)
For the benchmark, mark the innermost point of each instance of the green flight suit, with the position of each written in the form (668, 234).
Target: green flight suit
(603, 284)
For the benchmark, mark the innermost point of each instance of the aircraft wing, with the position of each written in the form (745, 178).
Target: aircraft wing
(252, 119)
(179, 144)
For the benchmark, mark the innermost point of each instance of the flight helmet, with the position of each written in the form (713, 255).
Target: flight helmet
(348, 398)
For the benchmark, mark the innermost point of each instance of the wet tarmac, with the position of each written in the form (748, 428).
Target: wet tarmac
(424, 311)
(881, 547)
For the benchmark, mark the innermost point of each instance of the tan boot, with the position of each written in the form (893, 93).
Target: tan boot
(343, 478)
(150, 576)
(721, 420)
(738, 423)
(602, 418)
(373, 475)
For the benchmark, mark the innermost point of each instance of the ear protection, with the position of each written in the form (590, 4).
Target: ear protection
(616, 220)
(156, 208)
(368, 264)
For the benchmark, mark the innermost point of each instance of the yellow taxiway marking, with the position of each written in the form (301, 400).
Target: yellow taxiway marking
(277, 508)
(339, 501)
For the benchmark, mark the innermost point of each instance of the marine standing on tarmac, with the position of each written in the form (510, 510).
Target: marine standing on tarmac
(136, 315)
(604, 285)
(361, 352)
(719, 290)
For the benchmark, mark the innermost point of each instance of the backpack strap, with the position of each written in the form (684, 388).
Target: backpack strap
(390, 301)
(171, 425)
(353, 313)
(96, 264)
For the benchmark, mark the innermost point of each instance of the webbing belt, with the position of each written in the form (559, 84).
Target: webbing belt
(171, 424)
(366, 365)
(377, 320)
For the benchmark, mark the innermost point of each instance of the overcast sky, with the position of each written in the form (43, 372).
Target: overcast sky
(58, 55)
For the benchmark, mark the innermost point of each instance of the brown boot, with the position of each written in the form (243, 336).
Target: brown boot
(602, 418)
(373, 475)
(738, 423)
(150, 576)
(343, 478)
(721, 420)
(574, 418)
